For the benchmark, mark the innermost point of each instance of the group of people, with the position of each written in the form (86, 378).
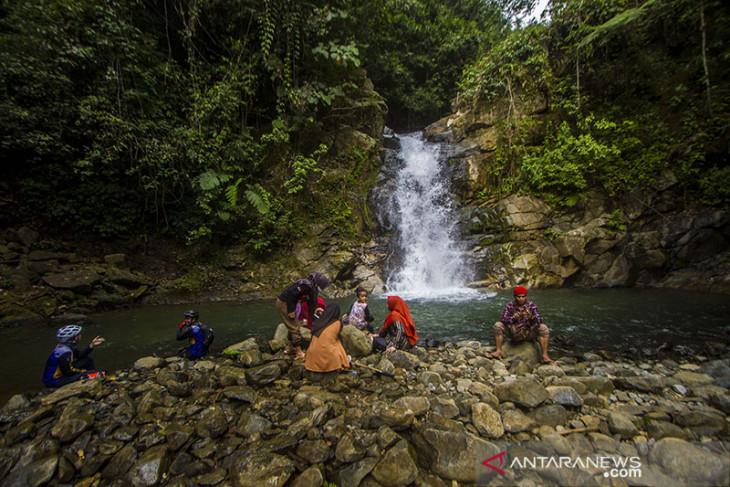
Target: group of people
(325, 352)
(300, 305)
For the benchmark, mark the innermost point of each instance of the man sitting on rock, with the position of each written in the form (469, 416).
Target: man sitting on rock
(521, 321)
(67, 363)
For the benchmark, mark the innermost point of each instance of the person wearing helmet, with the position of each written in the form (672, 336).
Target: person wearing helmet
(66, 363)
(199, 336)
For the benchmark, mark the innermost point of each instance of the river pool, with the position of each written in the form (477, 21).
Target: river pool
(591, 319)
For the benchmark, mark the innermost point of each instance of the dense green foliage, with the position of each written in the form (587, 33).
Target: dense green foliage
(213, 119)
(415, 51)
(609, 95)
(220, 119)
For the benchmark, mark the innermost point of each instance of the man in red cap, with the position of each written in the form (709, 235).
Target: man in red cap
(521, 321)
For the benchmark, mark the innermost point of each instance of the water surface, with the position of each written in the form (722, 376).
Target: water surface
(592, 319)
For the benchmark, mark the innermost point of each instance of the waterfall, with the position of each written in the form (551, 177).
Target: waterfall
(427, 259)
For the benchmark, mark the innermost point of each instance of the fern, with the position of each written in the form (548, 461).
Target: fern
(232, 192)
(616, 23)
(258, 197)
(208, 180)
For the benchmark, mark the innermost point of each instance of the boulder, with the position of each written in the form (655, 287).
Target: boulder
(487, 421)
(71, 424)
(79, 280)
(348, 450)
(177, 434)
(515, 421)
(230, 375)
(527, 351)
(622, 424)
(418, 404)
(550, 415)
(35, 474)
(261, 468)
(564, 395)
(451, 455)
(354, 473)
(246, 345)
(404, 360)
(212, 424)
(314, 451)
(311, 477)
(396, 467)
(127, 279)
(524, 212)
(524, 392)
(18, 401)
(148, 363)
(150, 467)
(262, 375)
(356, 342)
(120, 463)
(394, 416)
(685, 460)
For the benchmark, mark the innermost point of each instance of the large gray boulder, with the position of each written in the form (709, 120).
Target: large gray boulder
(527, 351)
(79, 280)
(355, 341)
(682, 459)
(452, 455)
(523, 392)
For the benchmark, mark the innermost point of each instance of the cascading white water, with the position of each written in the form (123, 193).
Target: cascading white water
(432, 264)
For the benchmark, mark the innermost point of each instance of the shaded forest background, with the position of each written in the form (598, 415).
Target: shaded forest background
(212, 122)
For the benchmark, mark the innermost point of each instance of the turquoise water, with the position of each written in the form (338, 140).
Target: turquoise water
(592, 319)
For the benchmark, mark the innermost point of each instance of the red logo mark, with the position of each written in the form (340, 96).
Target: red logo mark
(501, 460)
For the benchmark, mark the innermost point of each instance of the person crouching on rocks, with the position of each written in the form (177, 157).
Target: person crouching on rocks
(521, 321)
(200, 336)
(66, 363)
(326, 352)
(286, 305)
(399, 331)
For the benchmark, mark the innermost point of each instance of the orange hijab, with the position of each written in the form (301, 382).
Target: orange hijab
(399, 312)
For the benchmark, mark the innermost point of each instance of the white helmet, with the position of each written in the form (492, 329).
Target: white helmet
(67, 333)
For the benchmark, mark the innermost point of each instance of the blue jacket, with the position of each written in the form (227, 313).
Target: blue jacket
(60, 363)
(197, 339)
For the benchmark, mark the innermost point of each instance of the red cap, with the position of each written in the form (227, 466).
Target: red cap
(520, 290)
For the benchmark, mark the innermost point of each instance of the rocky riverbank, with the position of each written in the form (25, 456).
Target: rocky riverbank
(253, 417)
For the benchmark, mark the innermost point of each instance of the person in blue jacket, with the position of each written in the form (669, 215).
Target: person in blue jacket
(197, 334)
(66, 363)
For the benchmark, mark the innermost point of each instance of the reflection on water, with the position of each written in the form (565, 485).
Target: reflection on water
(592, 319)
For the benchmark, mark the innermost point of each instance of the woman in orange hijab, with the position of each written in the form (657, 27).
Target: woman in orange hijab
(399, 331)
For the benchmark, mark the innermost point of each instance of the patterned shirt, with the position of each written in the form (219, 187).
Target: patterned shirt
(512, 307)
(396, 336)
(357, 315)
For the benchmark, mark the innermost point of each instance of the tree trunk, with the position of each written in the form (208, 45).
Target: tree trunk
(703, 27)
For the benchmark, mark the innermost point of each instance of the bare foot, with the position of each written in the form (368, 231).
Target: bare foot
(548, 360)
(497, 355)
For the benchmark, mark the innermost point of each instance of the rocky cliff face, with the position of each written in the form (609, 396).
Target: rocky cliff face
(651, 238)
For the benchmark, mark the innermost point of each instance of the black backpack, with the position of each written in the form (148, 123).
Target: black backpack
(208, 335)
